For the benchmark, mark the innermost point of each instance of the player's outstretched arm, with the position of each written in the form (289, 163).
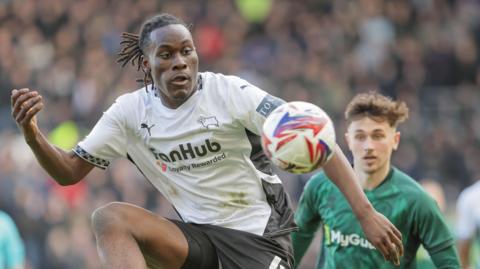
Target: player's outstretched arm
(65, 167)
(377, 228)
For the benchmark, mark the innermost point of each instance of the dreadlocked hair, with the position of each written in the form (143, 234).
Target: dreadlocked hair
(133, 46)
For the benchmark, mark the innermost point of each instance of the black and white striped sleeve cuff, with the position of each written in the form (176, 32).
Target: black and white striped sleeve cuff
(98, 162)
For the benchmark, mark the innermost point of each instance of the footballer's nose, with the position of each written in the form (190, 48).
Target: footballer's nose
(179, 63)
(368, 145)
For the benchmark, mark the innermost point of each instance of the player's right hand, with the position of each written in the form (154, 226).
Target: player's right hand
(25, 105)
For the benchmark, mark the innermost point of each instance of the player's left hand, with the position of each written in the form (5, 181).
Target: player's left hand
(383, 235)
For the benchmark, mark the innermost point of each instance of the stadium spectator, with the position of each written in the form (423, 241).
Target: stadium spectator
(435, 190)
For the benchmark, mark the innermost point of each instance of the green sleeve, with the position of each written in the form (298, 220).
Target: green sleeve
(434, 233)
(446, 258)
(307, 220)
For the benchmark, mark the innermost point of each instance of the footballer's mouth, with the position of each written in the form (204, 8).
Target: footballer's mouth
(180, 79)
(369, 158)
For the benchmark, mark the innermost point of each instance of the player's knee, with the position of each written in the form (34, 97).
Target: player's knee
(109, 216)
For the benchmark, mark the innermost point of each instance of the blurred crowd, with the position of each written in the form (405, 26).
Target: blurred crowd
(424, 52)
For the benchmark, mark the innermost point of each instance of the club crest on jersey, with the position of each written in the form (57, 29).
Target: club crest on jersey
(209, 122)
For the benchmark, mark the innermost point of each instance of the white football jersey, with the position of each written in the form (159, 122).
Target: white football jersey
(199, 156)
(468, 212)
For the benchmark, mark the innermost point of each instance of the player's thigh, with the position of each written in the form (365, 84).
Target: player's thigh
(159, 238)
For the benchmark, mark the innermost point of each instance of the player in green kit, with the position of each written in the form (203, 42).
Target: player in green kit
(372, 136)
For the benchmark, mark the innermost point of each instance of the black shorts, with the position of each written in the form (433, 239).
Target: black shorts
(209, 244)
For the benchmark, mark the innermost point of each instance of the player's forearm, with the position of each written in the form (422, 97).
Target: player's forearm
(338, 170)
(446, 258)
(58, 163)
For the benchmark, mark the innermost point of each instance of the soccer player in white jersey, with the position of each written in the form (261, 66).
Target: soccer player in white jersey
(468, 226)
(195, 137)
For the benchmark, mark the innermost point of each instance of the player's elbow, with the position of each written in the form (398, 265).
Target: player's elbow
(67, 179)
(64, 182)
(67, 182)
(74, 172)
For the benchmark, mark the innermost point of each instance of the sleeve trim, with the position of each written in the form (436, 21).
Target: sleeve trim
(441, 246)
(98, 162)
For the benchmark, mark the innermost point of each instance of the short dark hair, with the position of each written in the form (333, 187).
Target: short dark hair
(377, 107)
(133, 46)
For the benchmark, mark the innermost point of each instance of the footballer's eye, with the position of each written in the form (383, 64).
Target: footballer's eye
(359, 137)
(378, 136)
(165, 55)
(187, 51)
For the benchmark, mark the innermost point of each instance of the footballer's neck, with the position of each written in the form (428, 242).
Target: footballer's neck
(370, 181)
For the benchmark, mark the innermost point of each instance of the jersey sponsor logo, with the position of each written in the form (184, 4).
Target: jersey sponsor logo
(162, 165)
(209, 122)
(345, 240)
(187, 151)
(268, 104)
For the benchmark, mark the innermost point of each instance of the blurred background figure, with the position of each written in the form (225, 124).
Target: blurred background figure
(435, 190)
(468, 226)
(12, 250)
(421, 51)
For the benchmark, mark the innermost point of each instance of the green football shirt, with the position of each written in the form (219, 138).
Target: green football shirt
(344, 245)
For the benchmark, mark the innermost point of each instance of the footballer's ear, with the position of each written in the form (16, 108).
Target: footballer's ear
(145, 64)
(347, 139)
(396, 140)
